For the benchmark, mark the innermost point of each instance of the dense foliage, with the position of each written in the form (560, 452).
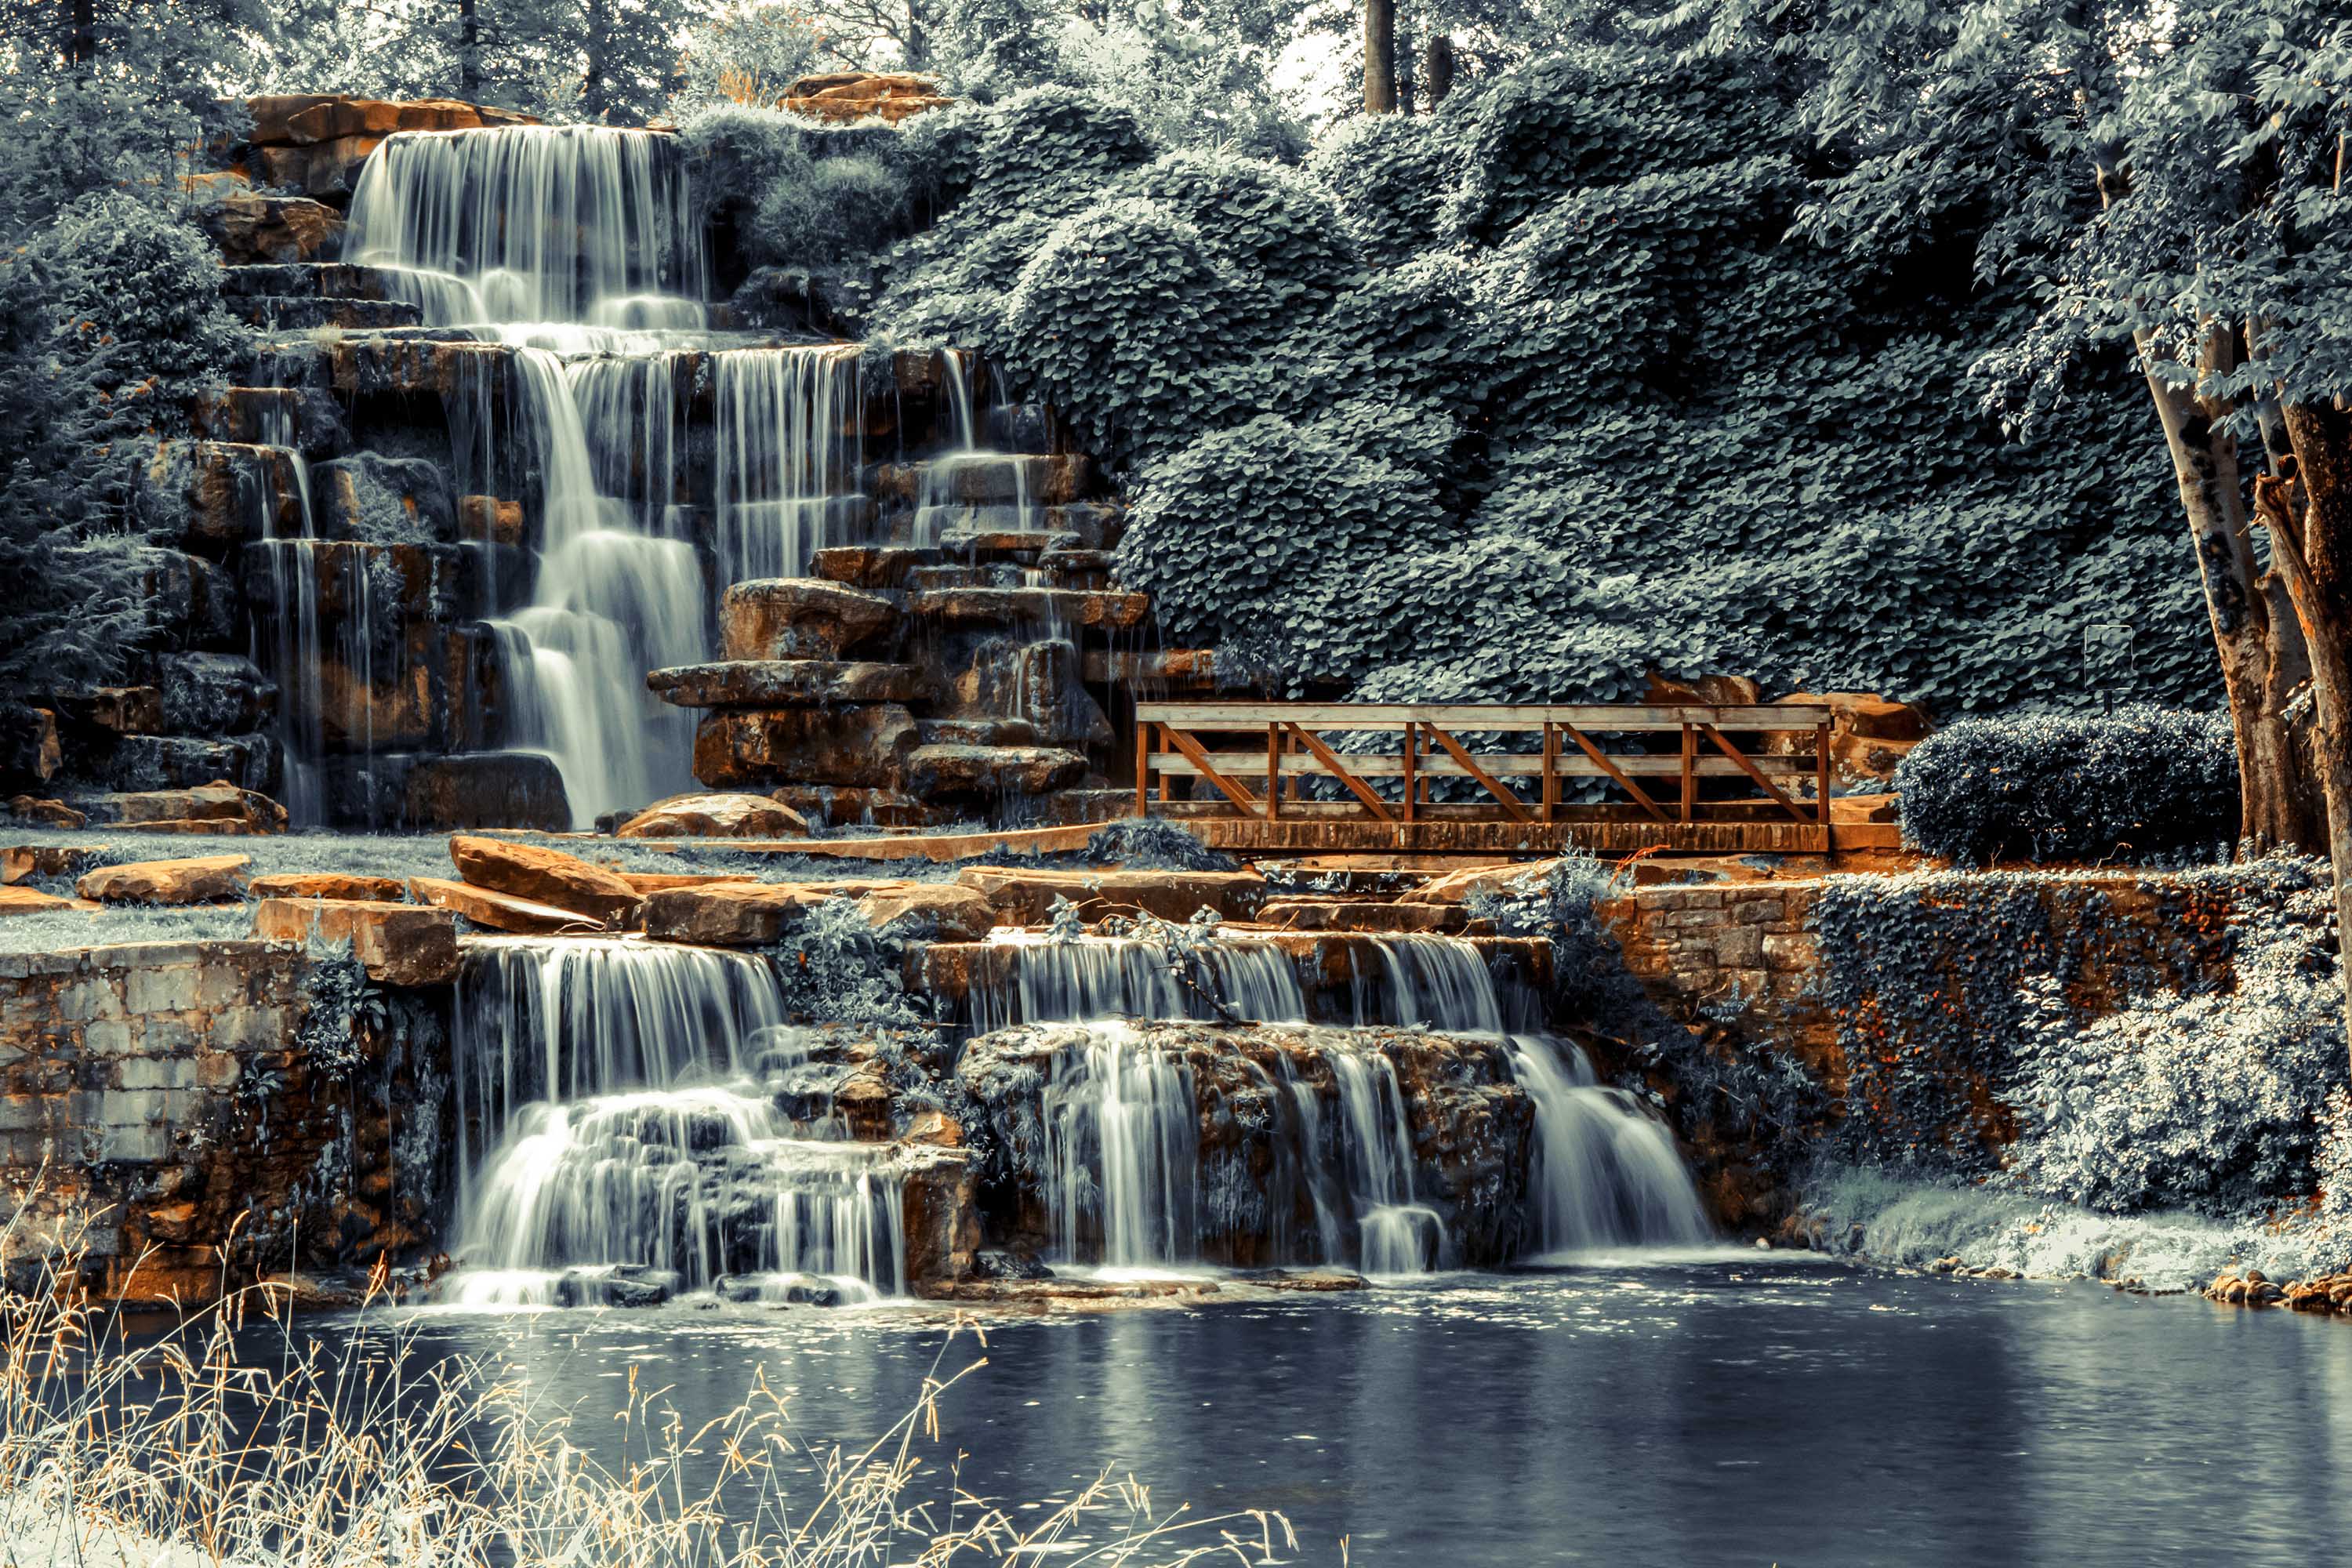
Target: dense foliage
(2139, 784)
(1537, 395)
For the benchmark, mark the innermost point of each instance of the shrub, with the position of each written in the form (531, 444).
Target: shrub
(827, 211)
(1272, 227)
(1150, 844)
(1391, 174)
(2145, 781)
(744, 52)
(1052, 139)
(1122, 319)
(738, 152)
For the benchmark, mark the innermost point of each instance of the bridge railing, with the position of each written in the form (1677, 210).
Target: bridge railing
(1682, 744)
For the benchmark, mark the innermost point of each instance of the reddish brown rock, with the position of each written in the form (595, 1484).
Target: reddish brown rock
(736, 748)
(991, 772)
(397, 943)
(501, 911)
(342, 885)
(786, 683)
(730, 914)
(663, 881)
(943, 910)
(802, 618)
(537, 874)
(31, 902)
(715, 816)
(486, 519)
(252, 230)
(1026, 897)
(23, 862)
(205, 880)
(846, 97)
(219, 801)
(35, 812)
(1363, 915)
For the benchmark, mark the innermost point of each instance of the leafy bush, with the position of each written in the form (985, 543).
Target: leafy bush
(1274, 229)
(1120, 319)
(821, 212)
(835, 968)
(736, 152)
(1390, 175)
(744, 52)
(1049, 148)
(2212, 1100)
(1150, 844)
(2145, 781)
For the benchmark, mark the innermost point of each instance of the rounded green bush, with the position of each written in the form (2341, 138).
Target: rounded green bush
(830, 210)
(1391, 174)
(1271, 227)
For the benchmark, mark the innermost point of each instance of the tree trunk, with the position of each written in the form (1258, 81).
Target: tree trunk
(469, 51)
(1401, 52)
(1437, 68)
(81, 40)
(919, 42)
(2257, 647)
(1380, 56)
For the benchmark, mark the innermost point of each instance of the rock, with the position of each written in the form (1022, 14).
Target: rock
(122, 710)
(33, 901)
(1025, 896)
(663, 881)
(213, 496)
(715, 816)
(539, 875)
(941, 910)
(846, 97)
(934, 1129)
(1869, 735)
(621, 1287)
(1456, 887)
(735, 748)
(990, 772)
(802, 618)
(1317, 1281)
(397, 943)
(205, 880)
(1345, 914)
(376, 499)
(482, 789)
(37, 812)
(213, 694)
(871, 565)
(846, 806)
(253, 228)
(985, 608)
(344, 886)
(337, 118)
(997, 1264)
(219, 801)
(160, 764)
(192, 602)
(486, 519)
(22, 862)
(786, 683)
(1711, 690)
(499, 912)
(730, 914)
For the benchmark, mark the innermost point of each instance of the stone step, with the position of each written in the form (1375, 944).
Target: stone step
(990, 574)
(804, 617)
(787, 683)
(305, 280)
(213, 496)
(976, 731)
(1093, 524)
(1032, 608)
(990, 772)
(871, 566)
(744, 748)
(1361, 915)
(1187, 668)
(1078, 568)
(1037, 480)
(306, 418)
(272, 312)
(1022, 544)
(251, 228)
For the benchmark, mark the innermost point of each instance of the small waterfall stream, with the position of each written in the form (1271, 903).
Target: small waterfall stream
(616, 1123)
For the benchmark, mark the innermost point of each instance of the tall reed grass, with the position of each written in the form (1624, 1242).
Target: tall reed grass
(121, 1446)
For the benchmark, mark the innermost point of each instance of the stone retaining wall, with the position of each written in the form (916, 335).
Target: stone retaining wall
(154, 1101)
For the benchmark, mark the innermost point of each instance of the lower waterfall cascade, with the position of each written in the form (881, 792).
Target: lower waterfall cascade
(636, 1116)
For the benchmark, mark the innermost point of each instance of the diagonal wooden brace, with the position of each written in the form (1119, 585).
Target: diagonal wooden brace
(1495, 786)
(1337, 769)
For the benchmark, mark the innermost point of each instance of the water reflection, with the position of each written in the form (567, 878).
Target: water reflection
(1719, 1412)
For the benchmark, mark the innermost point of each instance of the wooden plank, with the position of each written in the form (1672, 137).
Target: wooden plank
(909, 846)
(1199, 759)
(1603, 717)
(1753, 772)
(1550, 773)
(1250, 766)
(1614, 770)
(1143, 770)
(1273, 772)
(1495, 786)
(1355, 787)
(1690, 773)
(1293, 838)
(1412, 756)
(1821, 772)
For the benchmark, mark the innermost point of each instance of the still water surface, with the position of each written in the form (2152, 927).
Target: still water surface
(1772, 1409)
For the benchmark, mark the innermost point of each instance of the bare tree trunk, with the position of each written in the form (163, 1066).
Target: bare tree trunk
(2257, 647)
(1437, 68)
(919, 42)
(81, 42)
(469, 51)
(1380, 56)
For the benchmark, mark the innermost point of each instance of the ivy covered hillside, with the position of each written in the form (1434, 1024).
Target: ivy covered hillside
(1525, 398)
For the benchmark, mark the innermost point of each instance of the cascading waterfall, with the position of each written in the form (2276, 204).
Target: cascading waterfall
(617, 1089)
(1122, 1116)
(789, 423)
(533, 226)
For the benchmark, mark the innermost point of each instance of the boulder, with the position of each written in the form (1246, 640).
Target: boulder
(989, 608)
(123, 709)
(33, 901)
(539, 875)
(335, 119)
(846, 97)
(252, 229)
(1869, 735)
(23, 862)
(397, 943)
(944, 911)
(499, 912)
(730, 914)
(663, 881)
(41, 753)
(802, 618)
(1456, 887)
(212, 496)
(485, 789)
(35, 811)
(736, 748)
(219, 801)
(377, 499)
(192, 602)
(715, 816)
(1025, 896)
(343, 887)
(786, 683)
(1711, 690)
(205, 880)
(991, 772)
(151, 764)
(848, 805)
(488, 519)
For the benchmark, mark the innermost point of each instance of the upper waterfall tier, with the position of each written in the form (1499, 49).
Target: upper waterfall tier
(534, 224)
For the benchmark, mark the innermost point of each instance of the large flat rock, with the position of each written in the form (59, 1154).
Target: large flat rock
(737, 748)
(1026, 897)
(536, 874)
(715, 816)
(990, 772)
(786, 683)
(742, 914)
(1104, 609)
(500, 911)
(804, 618)
(396, 944)
(203, 880)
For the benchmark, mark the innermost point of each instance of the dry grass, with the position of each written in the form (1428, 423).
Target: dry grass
(188, 1450)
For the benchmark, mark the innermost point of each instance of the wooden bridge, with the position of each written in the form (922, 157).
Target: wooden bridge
(1682, 776)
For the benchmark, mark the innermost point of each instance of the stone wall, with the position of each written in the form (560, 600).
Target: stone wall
(1741, 950)
(156, 1102)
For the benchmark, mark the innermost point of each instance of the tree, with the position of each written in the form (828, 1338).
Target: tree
(1380, 56)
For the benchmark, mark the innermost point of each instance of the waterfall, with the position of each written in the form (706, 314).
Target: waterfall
(569, 223)
(617, 1089)
(790, 424)
(1037, 979)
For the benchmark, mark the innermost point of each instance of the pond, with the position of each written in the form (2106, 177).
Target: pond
(1725, 1409)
